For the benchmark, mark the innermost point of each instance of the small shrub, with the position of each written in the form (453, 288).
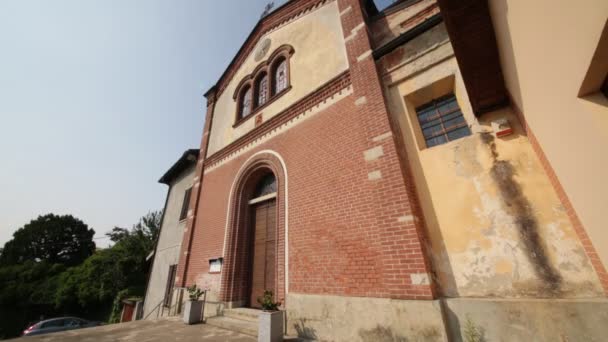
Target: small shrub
(471, 332)
(194, 293)
(267, 301)
(117, 306)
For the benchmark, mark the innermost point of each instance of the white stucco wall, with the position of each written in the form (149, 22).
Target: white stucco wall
(546, 48)
(169, 243)
(320, 55)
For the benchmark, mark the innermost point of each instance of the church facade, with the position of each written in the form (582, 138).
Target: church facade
(363, 166)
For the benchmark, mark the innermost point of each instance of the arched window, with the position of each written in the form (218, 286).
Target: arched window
(266, 186)
(262, 89)
(246, 102)
(268, 81)
(280, 76)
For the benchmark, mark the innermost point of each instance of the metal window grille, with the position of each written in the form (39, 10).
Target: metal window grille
(263, 90)
(441, 121)
(281, 77)
(246, 103)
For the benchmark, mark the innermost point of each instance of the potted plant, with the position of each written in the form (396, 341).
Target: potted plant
(194, 307)
(271, 319)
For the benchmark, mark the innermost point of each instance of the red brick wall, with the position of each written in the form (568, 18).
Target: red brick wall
(345, 232)
(218, 207)
(397, 182)
(340, 240)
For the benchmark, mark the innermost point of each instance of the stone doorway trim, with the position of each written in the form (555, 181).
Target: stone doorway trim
(234, 285)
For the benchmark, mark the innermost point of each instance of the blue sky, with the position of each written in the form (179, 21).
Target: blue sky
(98, 98)
(381, 4)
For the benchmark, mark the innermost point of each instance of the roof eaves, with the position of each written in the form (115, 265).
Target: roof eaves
(187, 159)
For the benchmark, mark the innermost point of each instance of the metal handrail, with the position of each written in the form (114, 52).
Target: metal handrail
(156, 307)
(160, 312)
(179, 299)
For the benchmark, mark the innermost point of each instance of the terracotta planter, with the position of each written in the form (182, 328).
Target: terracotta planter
(270, 326)
(193, 311)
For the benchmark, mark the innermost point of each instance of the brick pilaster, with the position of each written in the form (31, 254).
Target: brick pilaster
(399, 226)
(186, 248)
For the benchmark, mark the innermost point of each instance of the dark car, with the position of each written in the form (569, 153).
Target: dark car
(58, 324)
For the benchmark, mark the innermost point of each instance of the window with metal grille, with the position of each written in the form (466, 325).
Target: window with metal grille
(280, 76)
(267, 185)
(262, 86)
(169, 288)
(441, 121)
(245, 103)
(185, 204)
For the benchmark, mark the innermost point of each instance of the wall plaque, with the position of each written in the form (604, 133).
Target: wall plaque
(215, 265)
(262, 49)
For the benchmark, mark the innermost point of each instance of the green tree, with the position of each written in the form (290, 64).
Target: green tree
(97, 281)
(145, 231)
(34, 282)
(51, 238)
(28, 292)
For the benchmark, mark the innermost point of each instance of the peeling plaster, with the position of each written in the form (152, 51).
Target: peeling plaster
(496, 227)
(508, 246)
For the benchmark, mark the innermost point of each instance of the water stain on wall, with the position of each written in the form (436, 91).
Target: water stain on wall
(503, 173)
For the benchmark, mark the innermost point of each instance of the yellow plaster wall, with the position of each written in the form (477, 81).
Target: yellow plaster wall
(546, 48)
(484, 197)
(320, 55)
(390, 26)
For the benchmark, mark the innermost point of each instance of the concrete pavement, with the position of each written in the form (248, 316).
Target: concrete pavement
(144, 331)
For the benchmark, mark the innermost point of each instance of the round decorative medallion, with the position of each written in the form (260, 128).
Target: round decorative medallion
(262, 49)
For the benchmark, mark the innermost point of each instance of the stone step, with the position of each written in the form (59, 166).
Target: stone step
(246, 327)
(243, 313)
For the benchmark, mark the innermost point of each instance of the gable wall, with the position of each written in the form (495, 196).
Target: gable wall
(319, 56)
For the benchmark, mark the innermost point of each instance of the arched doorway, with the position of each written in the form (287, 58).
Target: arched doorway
(255, 241)
(263, 238)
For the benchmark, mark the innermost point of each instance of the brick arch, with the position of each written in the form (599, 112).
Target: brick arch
(235, 276)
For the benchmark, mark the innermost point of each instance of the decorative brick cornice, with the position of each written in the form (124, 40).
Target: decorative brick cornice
(318, 96)
(281, 16)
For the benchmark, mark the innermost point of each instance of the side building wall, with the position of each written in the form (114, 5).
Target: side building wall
(507, 257)
(496, 225)
(168, 247)
(545, 65)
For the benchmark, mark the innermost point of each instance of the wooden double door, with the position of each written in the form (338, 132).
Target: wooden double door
(264, 248)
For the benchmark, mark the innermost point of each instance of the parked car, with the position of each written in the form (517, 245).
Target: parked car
(59, 324)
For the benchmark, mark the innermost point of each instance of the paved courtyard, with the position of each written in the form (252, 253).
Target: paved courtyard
(144, 331)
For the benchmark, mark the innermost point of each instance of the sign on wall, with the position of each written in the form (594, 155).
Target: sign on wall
(215, 265)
